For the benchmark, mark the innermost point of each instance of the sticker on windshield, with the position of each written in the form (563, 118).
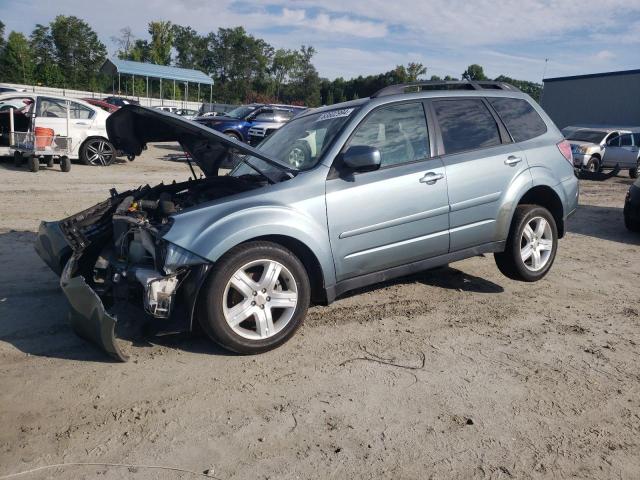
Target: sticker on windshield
(345, 112)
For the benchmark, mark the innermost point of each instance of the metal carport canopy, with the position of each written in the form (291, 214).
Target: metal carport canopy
(140, 69)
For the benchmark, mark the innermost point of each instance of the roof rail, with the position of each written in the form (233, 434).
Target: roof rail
(443, 85)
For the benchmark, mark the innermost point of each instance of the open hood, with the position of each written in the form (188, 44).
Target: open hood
(133, 126)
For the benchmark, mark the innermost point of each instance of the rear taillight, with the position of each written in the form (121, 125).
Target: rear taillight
(565, 150)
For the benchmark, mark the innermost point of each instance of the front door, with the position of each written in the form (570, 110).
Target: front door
(397, 214)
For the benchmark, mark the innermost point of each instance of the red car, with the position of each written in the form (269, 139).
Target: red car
(107, 107)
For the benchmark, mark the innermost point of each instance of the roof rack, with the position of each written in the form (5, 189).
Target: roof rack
(443, 85)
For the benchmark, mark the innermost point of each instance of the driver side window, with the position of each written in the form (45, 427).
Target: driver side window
(398, 131)
(614, 140)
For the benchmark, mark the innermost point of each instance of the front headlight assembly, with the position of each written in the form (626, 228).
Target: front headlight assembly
(176, 257)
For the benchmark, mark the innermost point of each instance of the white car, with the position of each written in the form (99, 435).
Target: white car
(83, 123)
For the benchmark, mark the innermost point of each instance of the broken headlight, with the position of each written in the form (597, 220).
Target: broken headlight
(176, 257)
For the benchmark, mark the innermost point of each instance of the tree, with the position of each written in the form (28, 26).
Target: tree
(17, 61)
(125, 43)
(161, 42)
(435, 78)
(282, 65)
(238, 62)
(305, 81)
(191, 48)
(46, 71)
(533, 89)
(414, 71)
(1, 36)
(79, 53)
(474, 72)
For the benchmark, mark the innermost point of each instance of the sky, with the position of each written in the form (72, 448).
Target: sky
(362, 37)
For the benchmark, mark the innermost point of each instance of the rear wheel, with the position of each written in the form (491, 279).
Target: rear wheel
(18, 159)
(531, 245)
(631, 224)
(233, 135)
(255, 298)
(49, 160)
(97, 151)
(633, 172)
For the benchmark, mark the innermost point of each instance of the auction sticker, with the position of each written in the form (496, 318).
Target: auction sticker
(344, 112)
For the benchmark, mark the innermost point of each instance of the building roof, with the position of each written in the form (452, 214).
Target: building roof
(128, 67)
(593, 75)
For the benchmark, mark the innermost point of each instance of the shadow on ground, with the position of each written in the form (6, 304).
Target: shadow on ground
(605, 223)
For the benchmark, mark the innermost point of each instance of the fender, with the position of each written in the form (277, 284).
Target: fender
(216, 238)
(515, 191)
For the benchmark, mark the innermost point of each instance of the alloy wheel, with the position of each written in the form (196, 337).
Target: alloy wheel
(536, 244)
(99, 152)
(296, 157)
(260, 299)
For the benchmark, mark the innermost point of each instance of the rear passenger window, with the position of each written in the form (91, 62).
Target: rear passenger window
(398, 131)
(466, 125)
(520, 118)
(626, 140)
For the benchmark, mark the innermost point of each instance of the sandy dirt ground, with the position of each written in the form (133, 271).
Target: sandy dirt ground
(454, 373)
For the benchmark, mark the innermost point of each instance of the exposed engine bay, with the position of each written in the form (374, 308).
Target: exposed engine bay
(118, 247)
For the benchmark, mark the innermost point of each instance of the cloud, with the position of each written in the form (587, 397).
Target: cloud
(604, 55)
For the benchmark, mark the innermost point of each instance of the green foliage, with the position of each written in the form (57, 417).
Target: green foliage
(78, 51)
(16, 62)
(532, 89)
(161, 42)
(474, 72)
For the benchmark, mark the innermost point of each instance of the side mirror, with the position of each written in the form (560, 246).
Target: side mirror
(362, 158)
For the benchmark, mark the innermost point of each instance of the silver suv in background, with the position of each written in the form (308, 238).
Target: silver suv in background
(597, 148)
(414, 177)
(624, 151)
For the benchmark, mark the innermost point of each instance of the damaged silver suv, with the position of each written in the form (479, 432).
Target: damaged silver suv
(414, 177)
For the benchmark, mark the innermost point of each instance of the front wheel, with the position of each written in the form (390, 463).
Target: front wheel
(531, 245)
(633, 172)
(593, 165)
(255, 298)
(97, 151)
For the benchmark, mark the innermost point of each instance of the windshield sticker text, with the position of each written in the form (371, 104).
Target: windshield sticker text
(345, 112)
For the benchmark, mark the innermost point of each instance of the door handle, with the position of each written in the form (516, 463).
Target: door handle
(511, 160)
(431, 177)
(82, 123)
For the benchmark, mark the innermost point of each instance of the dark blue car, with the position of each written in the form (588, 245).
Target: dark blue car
(237, 122)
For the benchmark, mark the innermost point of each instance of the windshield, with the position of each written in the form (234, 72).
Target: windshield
(591, 136)
(300, 144)
(241, 112)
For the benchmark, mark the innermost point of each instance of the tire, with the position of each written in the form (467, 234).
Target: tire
(49, 160)
(631, 224)
(219, 296)
(65, 164)
(97, 151)
(233, 135)
(299, 154)
(511, 263)
(131, 158)
(18, 159)
(593, 165)
(633, 172)
(34, 163)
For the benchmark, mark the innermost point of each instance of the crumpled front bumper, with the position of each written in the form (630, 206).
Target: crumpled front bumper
(87, 314)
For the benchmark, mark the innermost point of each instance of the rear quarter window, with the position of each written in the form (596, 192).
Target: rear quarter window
(520, 118)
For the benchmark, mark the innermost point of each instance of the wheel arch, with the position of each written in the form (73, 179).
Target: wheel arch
(307, 257)
(92, 137)
(545, 196)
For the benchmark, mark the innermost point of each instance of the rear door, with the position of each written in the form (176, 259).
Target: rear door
(481, 162)
(612, 154)
(395, 215)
